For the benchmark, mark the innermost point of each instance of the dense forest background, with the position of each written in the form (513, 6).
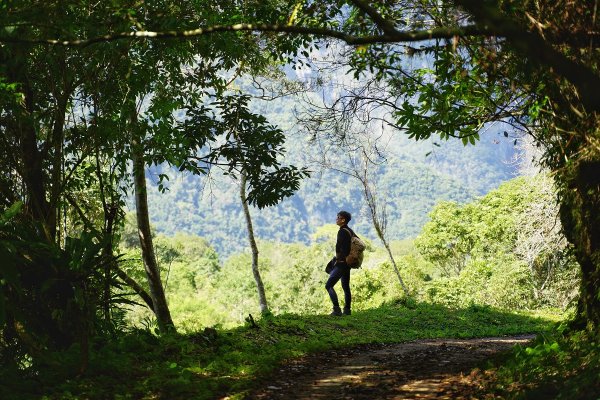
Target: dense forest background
(412, 179)
(501, 250)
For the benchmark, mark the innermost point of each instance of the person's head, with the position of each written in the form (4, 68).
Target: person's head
(343, 217)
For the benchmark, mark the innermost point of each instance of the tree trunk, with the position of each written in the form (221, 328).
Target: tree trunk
(57, 160)
(110, 215)
(579, 205)
(161, 309)
(135, 286)
(23, 126)
(387, 247)
(262, 298)
(377, 211)
(32, 172)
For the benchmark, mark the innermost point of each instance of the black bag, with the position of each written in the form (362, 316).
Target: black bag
(330, 265)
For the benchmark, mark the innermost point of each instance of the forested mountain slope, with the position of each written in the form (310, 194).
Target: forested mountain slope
(415, 177)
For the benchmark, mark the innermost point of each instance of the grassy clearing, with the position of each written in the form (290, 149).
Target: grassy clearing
(207, 364)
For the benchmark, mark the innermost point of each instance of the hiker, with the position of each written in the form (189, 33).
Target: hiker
(341, 270)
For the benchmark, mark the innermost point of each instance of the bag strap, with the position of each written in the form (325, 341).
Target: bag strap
(349, 232)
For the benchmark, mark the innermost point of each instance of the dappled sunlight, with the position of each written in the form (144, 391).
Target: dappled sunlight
(423, 369)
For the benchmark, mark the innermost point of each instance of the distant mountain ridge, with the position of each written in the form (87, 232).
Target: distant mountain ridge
(410, 182)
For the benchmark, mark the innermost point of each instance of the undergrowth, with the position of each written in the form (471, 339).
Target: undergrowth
(560, 364)
(213, 363)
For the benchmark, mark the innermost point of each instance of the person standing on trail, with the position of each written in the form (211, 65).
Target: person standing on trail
(341, 270)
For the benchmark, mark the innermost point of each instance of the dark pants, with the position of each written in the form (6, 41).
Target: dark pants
(339, 272)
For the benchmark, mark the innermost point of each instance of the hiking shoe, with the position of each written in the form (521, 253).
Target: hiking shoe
(347, 311)
(336, 312)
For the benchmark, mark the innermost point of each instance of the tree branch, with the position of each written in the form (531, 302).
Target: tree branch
(386, 26)
(490, 22)
(396, 36)
(533, 46)
(129, 281)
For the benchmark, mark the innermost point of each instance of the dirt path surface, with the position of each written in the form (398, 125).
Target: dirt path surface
(425, 369)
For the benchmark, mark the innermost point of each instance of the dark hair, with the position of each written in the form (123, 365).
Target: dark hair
(346, 215)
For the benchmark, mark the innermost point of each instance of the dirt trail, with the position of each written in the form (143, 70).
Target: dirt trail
(425, 369)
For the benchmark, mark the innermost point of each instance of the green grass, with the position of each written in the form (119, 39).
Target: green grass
(204, 365)
(558, 365)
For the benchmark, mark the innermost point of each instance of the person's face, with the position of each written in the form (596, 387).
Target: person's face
(340, 220)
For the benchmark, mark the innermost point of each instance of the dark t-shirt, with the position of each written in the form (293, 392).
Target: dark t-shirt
(342, 244)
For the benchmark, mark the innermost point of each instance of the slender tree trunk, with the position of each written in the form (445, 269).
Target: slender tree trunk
(262, 298)
(57, 159)
(161, 309)
(110, 213)
(381, 234)
(579, 215)
(389, 250)
(377, 211)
